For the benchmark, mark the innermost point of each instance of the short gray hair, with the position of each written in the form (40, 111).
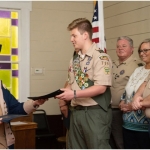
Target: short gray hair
(126, 38)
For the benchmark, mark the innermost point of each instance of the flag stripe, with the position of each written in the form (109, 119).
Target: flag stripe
(95, 29)
(96, 40)
(98, 26)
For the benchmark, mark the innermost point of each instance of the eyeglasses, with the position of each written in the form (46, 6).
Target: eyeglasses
(144, 51)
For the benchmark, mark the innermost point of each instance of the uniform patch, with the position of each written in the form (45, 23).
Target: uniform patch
(122, 72)
(105, 63)
(107, 70)
(104, 58)
(88, 61)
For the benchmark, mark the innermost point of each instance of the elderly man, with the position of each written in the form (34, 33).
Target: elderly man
(122, 69)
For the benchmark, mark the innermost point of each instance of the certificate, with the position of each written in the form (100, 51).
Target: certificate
(8, 118)
(50, 95)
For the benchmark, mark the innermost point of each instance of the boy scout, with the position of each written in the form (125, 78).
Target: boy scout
(88, 90)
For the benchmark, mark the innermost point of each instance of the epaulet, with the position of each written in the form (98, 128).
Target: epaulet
(101, 51)
(140, 64)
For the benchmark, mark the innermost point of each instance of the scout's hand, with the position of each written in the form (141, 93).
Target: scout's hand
(136, 104)
(67, 95)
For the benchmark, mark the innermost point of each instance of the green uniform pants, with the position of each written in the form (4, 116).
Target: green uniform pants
(90, 129)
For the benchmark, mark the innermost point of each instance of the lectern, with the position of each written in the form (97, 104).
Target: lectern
(24, 133)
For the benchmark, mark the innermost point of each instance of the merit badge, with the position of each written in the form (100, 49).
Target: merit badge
(122, 72)
(107, 70)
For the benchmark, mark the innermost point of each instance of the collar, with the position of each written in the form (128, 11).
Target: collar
(90, 51)
(126, 62)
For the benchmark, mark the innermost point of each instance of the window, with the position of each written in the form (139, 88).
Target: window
(9, 50)
(15, 41)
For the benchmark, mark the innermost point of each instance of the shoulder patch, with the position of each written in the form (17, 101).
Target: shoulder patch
(104, 58)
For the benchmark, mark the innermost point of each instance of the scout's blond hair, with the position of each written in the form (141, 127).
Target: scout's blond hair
(82, 24)
(126, 38)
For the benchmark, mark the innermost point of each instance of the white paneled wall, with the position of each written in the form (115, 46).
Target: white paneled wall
(126, 18)
(51, 48)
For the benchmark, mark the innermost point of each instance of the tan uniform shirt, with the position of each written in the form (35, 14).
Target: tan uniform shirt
(120, 77)
(97, 66)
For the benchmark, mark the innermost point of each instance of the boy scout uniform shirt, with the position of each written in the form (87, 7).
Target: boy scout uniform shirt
(120, 76)
(98, 67)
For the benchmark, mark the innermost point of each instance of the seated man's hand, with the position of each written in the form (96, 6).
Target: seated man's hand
(39, 102)
(136, 104)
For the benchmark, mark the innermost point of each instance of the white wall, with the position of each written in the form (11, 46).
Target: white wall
(126, 18)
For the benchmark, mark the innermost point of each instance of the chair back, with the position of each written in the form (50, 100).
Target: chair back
(39, 116)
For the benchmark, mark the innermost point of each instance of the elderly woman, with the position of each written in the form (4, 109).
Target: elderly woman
(135, 123)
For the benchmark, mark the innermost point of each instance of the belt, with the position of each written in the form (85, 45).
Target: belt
(79, 107)
(115, 108)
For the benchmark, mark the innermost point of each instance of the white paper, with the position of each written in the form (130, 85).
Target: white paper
(17, 123)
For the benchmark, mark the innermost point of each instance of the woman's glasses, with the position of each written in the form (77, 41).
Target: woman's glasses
(144, 51)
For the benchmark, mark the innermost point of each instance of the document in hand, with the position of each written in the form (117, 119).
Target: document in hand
(50, 95)
(8, 118)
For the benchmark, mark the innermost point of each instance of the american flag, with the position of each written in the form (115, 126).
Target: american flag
(98, 26)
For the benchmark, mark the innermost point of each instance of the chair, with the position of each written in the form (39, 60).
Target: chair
(45, 139)
(62, 141)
